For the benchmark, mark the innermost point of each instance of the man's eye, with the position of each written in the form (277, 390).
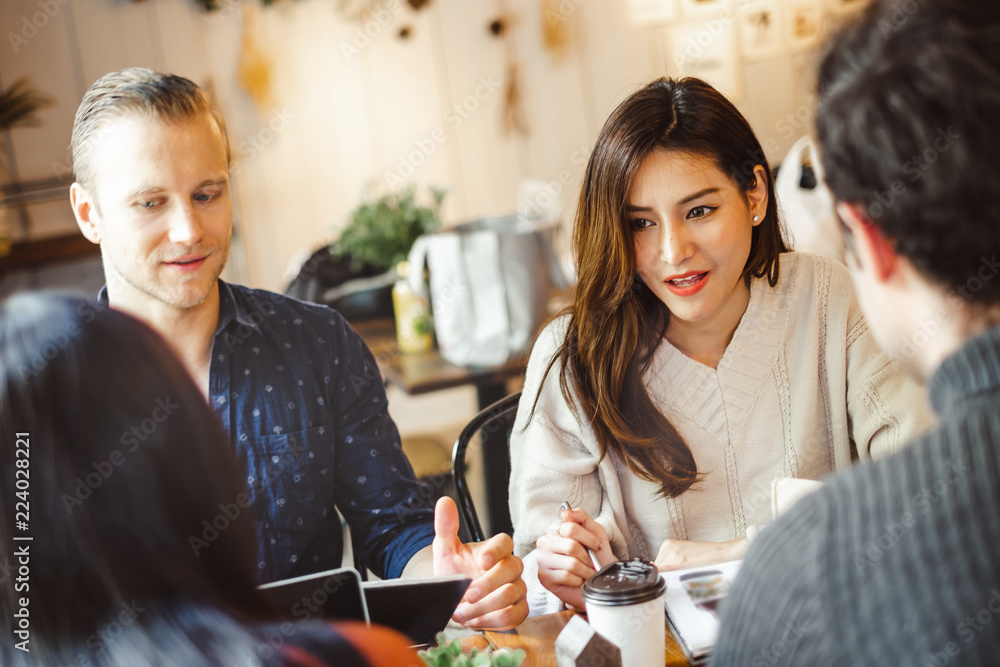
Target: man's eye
(205, 196)
(700, 211)
(149, 204)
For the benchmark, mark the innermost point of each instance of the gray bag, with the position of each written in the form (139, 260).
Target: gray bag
(489, 287)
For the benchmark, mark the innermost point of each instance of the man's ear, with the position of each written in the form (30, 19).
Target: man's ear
(872, 250)
(85, 210)
(758, 194)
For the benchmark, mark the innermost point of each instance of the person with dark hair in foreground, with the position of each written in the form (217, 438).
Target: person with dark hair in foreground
(898, 563)
(111, 578)
(295, 388)
(699, 361)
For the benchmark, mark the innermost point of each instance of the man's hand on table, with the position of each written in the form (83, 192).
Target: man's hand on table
(496, 597)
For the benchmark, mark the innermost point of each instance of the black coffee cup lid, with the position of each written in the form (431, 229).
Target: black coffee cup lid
(623, 583)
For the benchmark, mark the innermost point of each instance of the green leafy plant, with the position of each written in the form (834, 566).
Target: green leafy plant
(381, 232)
(449, 654)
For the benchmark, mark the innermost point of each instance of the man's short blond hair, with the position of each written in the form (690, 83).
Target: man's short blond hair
(137, 90)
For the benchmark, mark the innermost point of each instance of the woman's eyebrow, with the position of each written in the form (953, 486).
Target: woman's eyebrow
(700, 193)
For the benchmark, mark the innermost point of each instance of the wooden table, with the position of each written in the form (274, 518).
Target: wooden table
(424, 372)
(537, 636)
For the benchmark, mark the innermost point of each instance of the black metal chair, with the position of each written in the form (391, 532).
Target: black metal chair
(494, 425)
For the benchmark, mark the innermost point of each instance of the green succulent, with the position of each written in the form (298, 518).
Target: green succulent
(381, 232)
(449, 654)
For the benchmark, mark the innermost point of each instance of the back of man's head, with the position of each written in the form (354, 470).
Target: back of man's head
(135, 90)
(908, 129)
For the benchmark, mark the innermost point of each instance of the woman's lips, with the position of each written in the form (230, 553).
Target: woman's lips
(689, 284)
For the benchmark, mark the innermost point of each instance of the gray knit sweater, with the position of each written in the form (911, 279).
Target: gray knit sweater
(892, 563)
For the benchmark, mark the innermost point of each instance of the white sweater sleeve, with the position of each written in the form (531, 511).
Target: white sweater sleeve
(554, 458)
(886, 409)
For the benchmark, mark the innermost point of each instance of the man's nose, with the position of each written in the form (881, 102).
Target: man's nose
(185, 226)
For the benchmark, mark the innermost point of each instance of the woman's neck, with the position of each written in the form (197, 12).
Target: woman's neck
(706, 340)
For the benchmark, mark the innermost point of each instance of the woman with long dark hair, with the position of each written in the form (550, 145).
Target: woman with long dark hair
(113, 466)
(699, 361)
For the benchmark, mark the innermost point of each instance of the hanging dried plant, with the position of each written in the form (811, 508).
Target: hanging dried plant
(513, 109)
(553, 27)
(255, 68)
(20, 103)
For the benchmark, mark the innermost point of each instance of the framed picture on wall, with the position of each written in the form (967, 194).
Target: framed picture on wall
(804, 21)
(652, 12)
(761, 29)
(709, 53)
(702, 8)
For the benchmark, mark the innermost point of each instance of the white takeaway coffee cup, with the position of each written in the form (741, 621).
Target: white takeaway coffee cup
(625, 605)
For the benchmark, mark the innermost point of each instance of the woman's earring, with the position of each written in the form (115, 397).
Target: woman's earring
(756, 218)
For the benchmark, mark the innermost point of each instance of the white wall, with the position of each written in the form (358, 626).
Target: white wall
(348, 112)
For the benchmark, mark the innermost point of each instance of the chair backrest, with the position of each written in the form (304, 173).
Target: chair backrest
(493, 426)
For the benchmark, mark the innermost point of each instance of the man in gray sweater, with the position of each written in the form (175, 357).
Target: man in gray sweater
(898, 562)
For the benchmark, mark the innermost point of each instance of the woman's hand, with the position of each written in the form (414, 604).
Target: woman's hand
(563, 562)
(681, 554)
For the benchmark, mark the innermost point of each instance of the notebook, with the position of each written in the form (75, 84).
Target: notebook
(419, 608)
(692, 600)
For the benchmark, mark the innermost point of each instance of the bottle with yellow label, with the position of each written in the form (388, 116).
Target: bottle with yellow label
(414, 328)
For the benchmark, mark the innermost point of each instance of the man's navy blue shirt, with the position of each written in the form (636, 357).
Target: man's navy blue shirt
(302, 400)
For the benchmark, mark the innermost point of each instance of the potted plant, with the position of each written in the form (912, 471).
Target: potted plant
(449, 654)
(355, 273)
(382, 231)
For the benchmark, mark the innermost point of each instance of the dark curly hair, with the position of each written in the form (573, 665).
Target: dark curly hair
(908, 130)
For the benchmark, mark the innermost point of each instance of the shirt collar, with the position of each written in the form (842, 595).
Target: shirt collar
(229, 308)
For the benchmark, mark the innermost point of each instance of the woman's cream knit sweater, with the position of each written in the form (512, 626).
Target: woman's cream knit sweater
(802, 391)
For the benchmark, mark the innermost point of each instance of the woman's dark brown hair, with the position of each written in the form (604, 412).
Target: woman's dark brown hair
(616, 322)
(140, 553)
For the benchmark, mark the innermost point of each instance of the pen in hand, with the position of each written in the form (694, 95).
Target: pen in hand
(593, 559)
